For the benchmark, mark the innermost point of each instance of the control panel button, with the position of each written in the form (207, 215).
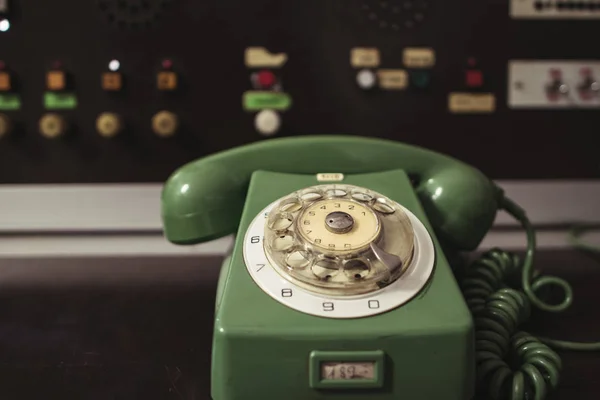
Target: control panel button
(366, 79)
(109, 124)
(5, 125)
(165, 124)
(267, 122)
(112, 81)
(56, 80)
(166, 80)
(474, 78)
(265, 79)
(52, 126)
(420, 79)
(5, 83)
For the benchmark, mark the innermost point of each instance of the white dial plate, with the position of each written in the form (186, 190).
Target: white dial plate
(402, 290)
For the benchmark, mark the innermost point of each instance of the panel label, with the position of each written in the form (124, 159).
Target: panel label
(392, 79)
(10, 102)
(364, 57)
(256, 57)
(418, 57)
(259, 100)
(60, 101)
(461, 103)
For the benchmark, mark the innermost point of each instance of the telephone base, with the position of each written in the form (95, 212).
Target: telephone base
(263, 349)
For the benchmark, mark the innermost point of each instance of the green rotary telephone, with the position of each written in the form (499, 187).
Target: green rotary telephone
(340, 284)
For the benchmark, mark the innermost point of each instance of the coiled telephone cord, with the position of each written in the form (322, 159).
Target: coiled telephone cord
(499, 308)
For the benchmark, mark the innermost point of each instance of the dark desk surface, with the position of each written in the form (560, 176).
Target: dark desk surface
(155, 344)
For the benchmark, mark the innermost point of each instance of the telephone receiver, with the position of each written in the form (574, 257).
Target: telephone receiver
(203, 200)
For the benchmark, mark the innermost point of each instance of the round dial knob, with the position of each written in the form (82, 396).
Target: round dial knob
(53, 126)
(339, 240)
(5, 125)
(165, 124)
(109, 124)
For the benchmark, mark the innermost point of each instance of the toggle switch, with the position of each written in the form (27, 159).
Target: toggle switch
(53, 126)
(5, 125)
(165, 124)
(589, 86)
(556, 88)
(109, 124)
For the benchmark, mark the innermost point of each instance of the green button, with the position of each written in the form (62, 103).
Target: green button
(254, 101)
(10, 102)
(420, 79)
(60, 101)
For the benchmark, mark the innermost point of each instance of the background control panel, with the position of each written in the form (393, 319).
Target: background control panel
(555, 9)
(554, 84)
(111, 91)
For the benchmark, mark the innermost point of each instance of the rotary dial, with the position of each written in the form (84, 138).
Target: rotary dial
(339, 240)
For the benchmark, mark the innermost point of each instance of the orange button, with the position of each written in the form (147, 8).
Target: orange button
(55, 80)
(166, 80)
(4, 82)
(112, 81)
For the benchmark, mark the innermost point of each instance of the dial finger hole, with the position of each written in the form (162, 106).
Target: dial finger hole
(280, 221)
(298, 259)
(356, 269)
(336, 192)
(290, 205)
(361, 195)
(325, 269)
(311, 195)
(283, 242)
(383, 206)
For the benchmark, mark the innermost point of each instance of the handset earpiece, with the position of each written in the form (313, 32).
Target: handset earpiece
(203, 200)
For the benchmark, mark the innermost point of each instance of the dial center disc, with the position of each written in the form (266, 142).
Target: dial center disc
(339, 222)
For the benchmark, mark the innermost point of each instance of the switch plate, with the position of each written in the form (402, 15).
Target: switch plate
(531, 9)
(527, 81)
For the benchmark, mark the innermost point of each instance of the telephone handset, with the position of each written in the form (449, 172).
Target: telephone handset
(203, 200)
(340, 282)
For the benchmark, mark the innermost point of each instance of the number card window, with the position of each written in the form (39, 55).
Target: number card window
(346, 369)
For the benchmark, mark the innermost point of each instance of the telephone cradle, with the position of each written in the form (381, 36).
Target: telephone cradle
(340, 283)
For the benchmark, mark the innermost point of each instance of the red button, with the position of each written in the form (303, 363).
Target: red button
(474, 78)
(265, 79)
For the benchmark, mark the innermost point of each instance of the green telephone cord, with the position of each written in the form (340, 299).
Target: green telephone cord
(498, 309)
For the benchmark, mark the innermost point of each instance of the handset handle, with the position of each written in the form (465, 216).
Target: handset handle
(203, 199)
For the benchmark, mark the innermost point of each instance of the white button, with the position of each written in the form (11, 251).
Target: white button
(267, 122)
(365, 79)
